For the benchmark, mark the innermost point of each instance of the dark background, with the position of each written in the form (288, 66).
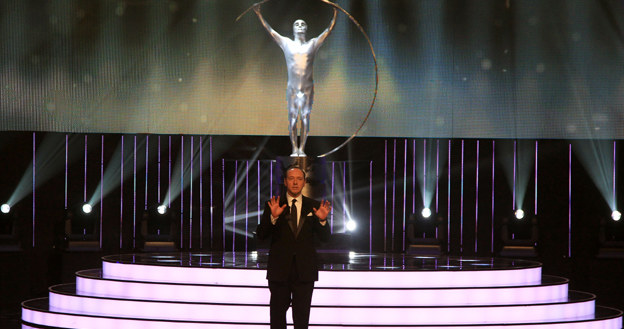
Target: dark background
(28, 271)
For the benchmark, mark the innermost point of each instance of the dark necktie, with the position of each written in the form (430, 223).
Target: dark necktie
(293, 215)
(293, 211)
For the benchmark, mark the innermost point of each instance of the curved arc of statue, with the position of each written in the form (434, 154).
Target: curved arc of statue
(370, 44)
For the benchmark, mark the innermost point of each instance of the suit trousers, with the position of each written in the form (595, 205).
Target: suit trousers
(295, 291)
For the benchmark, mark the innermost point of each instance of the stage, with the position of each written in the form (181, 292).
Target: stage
(355, 290)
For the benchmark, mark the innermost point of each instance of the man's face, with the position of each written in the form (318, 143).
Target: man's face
(300, 27)
(294, 182)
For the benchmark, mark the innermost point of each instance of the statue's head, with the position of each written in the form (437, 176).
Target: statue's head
(300, 27)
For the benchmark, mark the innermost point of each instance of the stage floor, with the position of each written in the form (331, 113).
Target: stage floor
(328, 261)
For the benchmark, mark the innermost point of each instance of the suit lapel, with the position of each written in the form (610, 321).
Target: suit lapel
(306, 208)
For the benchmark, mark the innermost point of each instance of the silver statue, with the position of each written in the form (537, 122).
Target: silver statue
(299, 55)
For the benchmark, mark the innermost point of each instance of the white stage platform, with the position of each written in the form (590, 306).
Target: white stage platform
(229, 290)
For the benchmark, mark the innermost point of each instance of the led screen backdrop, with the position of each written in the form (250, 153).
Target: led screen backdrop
(447, 68)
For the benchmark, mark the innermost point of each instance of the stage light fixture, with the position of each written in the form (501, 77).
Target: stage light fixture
(351, 225)
(519, 214)
(426, 212)
(5, 208)
(162, 209)
(616, 215)
(86, 208)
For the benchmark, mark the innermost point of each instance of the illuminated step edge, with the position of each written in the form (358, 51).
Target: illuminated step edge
(91, 283)
(355, 279)
(36, 313)
(579, 306)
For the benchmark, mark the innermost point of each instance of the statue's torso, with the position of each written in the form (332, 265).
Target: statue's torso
(299, 61)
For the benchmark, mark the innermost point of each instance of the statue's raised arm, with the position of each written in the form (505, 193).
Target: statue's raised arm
(321, 37)
(276, 36)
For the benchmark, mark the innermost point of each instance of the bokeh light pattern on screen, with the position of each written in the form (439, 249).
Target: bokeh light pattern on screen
(449, 69)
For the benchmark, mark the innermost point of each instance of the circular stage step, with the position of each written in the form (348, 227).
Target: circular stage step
(229, 290)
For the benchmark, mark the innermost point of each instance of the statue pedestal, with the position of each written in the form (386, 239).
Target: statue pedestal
(316, 174)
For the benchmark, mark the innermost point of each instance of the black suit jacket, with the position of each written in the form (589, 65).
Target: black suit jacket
(284, 244)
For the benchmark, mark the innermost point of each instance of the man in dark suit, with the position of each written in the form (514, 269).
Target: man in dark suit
(292, 222)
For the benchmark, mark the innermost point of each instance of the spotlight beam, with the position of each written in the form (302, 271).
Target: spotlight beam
(230, 228)
(49, 160)
(518, 171)
(241, 217)
(229, 196)
(177, 187)
(426, 163)
(112, 172)
(596, 156)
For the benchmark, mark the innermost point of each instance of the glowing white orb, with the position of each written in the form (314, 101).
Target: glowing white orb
(5, 208)
(86, 208)
(162, 209)
(616, 215)
(351, 225)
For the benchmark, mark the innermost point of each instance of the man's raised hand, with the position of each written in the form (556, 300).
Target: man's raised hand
(323, 210)
(276, 210)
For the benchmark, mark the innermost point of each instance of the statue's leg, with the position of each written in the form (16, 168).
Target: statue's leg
(305, 122)
(305, 128)
(293, 113)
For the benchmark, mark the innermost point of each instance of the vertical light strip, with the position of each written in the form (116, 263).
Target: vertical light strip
(448, 200)
(84, 189)
(246, 204)
(344, 195)
(403, 227)
(385, 210)
(190, 211)
(182, 192)
(146, 167)
(158, 174)
(515, 162)
(121, 194)
(211, 199)
(414, 176)
(370, 207)
(134, 192)
(101, 189)
(615, 206)
(223, 202)
(201, 192)
(476, 236)
(424, 186)
(493, 172)
(333, 185)
(394, 161)
(569, 200)
(169, 178)
(258, 192)
(437, 194)
(235, 203)
(461, 203)
(66, 166)
(535, 192)
(34, 164)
